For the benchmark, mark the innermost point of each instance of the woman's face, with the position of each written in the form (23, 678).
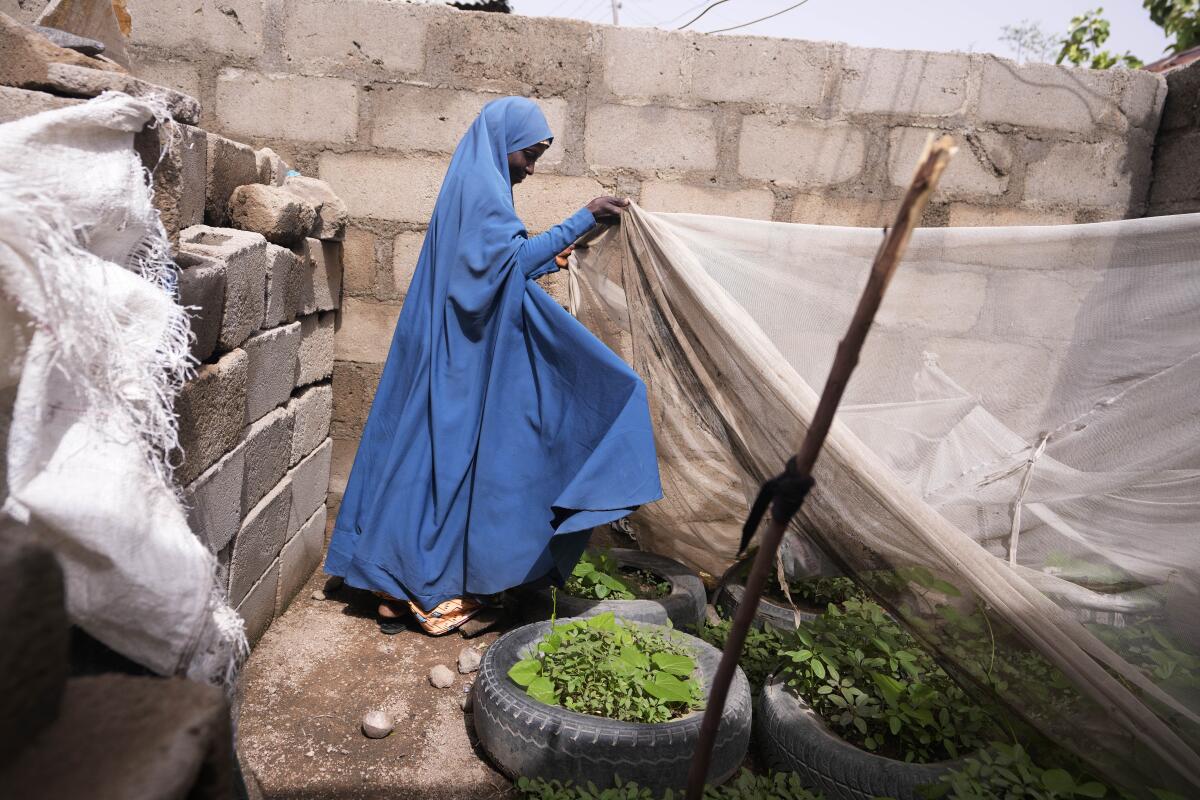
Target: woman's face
(520, 162)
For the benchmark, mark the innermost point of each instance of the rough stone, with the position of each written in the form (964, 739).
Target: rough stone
(543, 201)
(368, 184)
(280, 216)
(406, 247)
(1079, 174)
(907, 82)
(318, 595)
(234, 27)
(300, 557)
(202, 288)
(230, 165)
(271, 372)
(77, 81)
(440, 677)
(377, 724)
(258, 607)
(315, 362)
(354, 388)
(312, 409)
(468, 660)
(310, 484)
(268, 444)
(284, 286)
(366, 331)
(802, 154)
(272, 171)
(210, 408)
(177, 155)
(260, 540)
(360, 35)
(309, 109)
(1048, 97)
(980, 168)
(243, 256)
(332, 214)
(20, 103)
(80, 44)
(320, 275)
(29, 57)
(214, 500)
(358, 261)
(691, 145)
(682, 197)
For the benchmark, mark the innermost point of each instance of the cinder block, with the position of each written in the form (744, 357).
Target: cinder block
(320, 275)
(272, 171)
(340, 466)
(1176, 183)
(230, 165)
(368, 183)
(280, 216)
(214, 500)
(285, 275)
(332, 214)
(357, 35)
(358, 261)
(644, 63)
(310, 483)
(271, 372)
(1181, 109)
(980, 168)
(406, 247)
(690, 145)
(232, 27)
(1143, 97)
(202, 287)
(366, 331)
(182, 76)
(908, 82)
(243, 256)
(801, 154)
(681, 197)
(177, 156)
(311, 409)
(294, 107)
(948, 303)
(315, 361)
(543, 201)
(268, 446)
(354, 386)
(210, 408)
(761, 70)
(1078, 174)
(1049, 97)
(855, 212)
(964, 215)
(300, 557)
(257, 609)
(20, 103)
(260, 539)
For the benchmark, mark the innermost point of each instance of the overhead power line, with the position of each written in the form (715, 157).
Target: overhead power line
(702, 13)
(753, 21)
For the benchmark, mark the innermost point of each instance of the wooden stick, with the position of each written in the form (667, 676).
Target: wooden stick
(929, 169)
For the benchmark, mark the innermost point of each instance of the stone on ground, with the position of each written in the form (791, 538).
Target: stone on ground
(377, 724)
(280, 216)
(468, 660)
(440, 677)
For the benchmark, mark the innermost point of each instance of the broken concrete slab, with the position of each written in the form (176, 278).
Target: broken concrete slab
(202, 291)
(78, 81)
(278, 214)
(210, 408)
(243, 256)
(270, 374)
(230, 165)
(20, 103)
(28, 57)
(332, 214)
(283, 288)
(259, 541)
(177, 157)
(69, 41)
(93, 19)
(268, 444)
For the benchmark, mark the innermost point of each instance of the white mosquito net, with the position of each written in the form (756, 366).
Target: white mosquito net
(1019, 444)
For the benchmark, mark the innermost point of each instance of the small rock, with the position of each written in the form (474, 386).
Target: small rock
(377, 724)
(468, 660)
(466, 702)
(318, 595)
(440, 677)
(280, 216)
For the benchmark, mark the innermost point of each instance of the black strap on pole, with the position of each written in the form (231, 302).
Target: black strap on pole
(784, 494)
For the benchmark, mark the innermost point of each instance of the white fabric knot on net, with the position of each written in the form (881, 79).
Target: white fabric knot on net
(1020, 441)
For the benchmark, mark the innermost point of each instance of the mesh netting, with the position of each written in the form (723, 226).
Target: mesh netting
(1015, 470)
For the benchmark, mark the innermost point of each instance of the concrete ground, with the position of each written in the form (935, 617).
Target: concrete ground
(318, 669)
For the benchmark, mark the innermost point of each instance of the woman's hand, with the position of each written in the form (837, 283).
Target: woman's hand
(607, 209)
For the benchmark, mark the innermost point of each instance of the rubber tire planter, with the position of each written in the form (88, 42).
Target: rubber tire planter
(527, 738)
(791, 737)
(769, 614)
(684, 606)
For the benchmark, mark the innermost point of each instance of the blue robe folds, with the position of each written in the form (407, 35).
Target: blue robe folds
(502, 430)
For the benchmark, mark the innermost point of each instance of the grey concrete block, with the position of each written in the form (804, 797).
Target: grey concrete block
(800, 153)
(310, 484)
(309, 108)
(312, 409)
(315, 361)
(20, 103)
(214, 500)
(177, 156)
(243, 255)
(257, 609)
(692, 144)
(202, 287)
(285, 277)
(907, 82)
(276, 213)
(210, 408)
(1181, 109)
(259, 540)
(300, 557)
(271, 372)
(1049, 97)
(230, 165)
(1176, 184)
(268, 444)
(354, 386)
(332, 215)
(1082, 174)
(320, 276)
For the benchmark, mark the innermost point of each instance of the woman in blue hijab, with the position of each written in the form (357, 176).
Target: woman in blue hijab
(502, 430)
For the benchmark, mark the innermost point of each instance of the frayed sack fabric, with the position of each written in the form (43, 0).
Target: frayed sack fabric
(94, 350)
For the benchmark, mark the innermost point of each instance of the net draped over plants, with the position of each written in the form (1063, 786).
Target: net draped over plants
(1015, 468)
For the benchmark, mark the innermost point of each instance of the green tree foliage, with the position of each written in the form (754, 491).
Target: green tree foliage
(1082, 45)
(1179, 19)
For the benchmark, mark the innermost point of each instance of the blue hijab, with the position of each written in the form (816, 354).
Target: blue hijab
(502, 430)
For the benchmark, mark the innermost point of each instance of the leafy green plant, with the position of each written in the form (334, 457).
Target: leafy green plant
(1179, 19)
(1162, 659)
(1007, 771)
(598, 576)
(878, 688)
(1087, 34)
(760, 655)
(611, 669)
(745, 786)
(822, 591)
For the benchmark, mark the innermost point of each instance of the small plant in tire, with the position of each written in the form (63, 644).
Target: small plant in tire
(598, 576)
(602, 667)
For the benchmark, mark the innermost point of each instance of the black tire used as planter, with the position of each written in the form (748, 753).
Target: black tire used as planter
(684, 606)
(527, 738)
(790, 737)
(769, 614)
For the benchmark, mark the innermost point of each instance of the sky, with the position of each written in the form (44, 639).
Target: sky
(964, 25)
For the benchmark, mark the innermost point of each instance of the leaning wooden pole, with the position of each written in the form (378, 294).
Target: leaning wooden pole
(929, 169)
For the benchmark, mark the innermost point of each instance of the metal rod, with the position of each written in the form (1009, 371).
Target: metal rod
(929, 169)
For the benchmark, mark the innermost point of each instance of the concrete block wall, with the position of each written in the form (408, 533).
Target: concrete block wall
(373, 96)
(1175, 180)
